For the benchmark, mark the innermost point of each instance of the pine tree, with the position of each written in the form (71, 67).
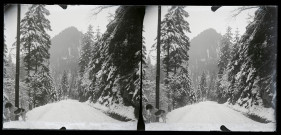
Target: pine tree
(198, 94)
(258, 60)
(174, 41)
(10, 68)
(150, 70)
(211, 95)
(225, 49)
(233, 68)
(87, 45)
(225, 55)
(5, 58)
(203, 85)
(251, 72)
(64, 84)
(175, 45)
(181, 89)
(114, 68)
(36, 44)
(23, 73)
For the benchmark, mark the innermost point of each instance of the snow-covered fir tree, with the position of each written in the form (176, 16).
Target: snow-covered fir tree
(173, 38)
(36, 44)
(225, 49)
(253, 69)
(87, 45)
(5, 62)
(211, 92)
(150, 70)
(64, 85)
(224, 58)
(233, 68)
(114, 68)
(10, 68)
(175, 46)
(203, 85)
(198, 94)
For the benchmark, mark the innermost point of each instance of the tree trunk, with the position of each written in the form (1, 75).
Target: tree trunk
(28, 75)
(168, 58)
(17, 63)
(173, 100)
(158, 61)
(35, 88)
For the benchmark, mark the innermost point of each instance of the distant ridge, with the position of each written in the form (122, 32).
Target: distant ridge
(203, 54)
(65, 50)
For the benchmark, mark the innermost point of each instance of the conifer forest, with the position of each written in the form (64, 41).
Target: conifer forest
(116, 67)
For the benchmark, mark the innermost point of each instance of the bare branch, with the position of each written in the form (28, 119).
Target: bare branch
(98, 9)
(241, 9)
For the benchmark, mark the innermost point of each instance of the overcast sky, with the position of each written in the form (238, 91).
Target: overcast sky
(80, 16)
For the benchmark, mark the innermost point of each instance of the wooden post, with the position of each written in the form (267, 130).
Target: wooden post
(17, 63)
(158, 61)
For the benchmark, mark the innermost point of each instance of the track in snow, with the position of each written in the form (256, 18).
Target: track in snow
(70, 114)
(208, 116)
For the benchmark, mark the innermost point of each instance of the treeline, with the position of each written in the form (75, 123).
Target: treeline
(247, 68)
(110, 65)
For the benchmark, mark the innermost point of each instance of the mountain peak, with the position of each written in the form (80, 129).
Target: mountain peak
(209, 31)
(65, 50)
(70, 29)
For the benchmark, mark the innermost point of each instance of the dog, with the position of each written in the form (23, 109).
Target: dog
(161, 114)
(148, 109)
(12, 110)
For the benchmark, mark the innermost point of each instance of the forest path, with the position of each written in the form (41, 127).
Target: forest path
(68, 111)
(70, 114)
(208, 116)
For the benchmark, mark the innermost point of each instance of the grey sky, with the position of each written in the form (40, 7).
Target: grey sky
(80, 16)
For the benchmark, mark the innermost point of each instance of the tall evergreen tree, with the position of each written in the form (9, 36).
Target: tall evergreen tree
(87, 45)
(198, 94)
(211, 94)
(114, 67)
(203, 85)
(36, 44)
(225, 56)
(64, 85)
(175, 45)
(256, 79)
(252, 68)
(174, 41)
(233, 68)
(10, 68)
(5, 58)
(225, 49)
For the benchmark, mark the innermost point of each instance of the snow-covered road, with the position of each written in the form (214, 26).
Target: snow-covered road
(70, 114)
(207, 116)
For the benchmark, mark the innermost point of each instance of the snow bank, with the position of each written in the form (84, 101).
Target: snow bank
(205, 127)
(262, 112)
(69, 125)
(121, 110)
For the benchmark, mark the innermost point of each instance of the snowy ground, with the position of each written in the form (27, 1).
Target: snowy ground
(209, 116)
(70, 114)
